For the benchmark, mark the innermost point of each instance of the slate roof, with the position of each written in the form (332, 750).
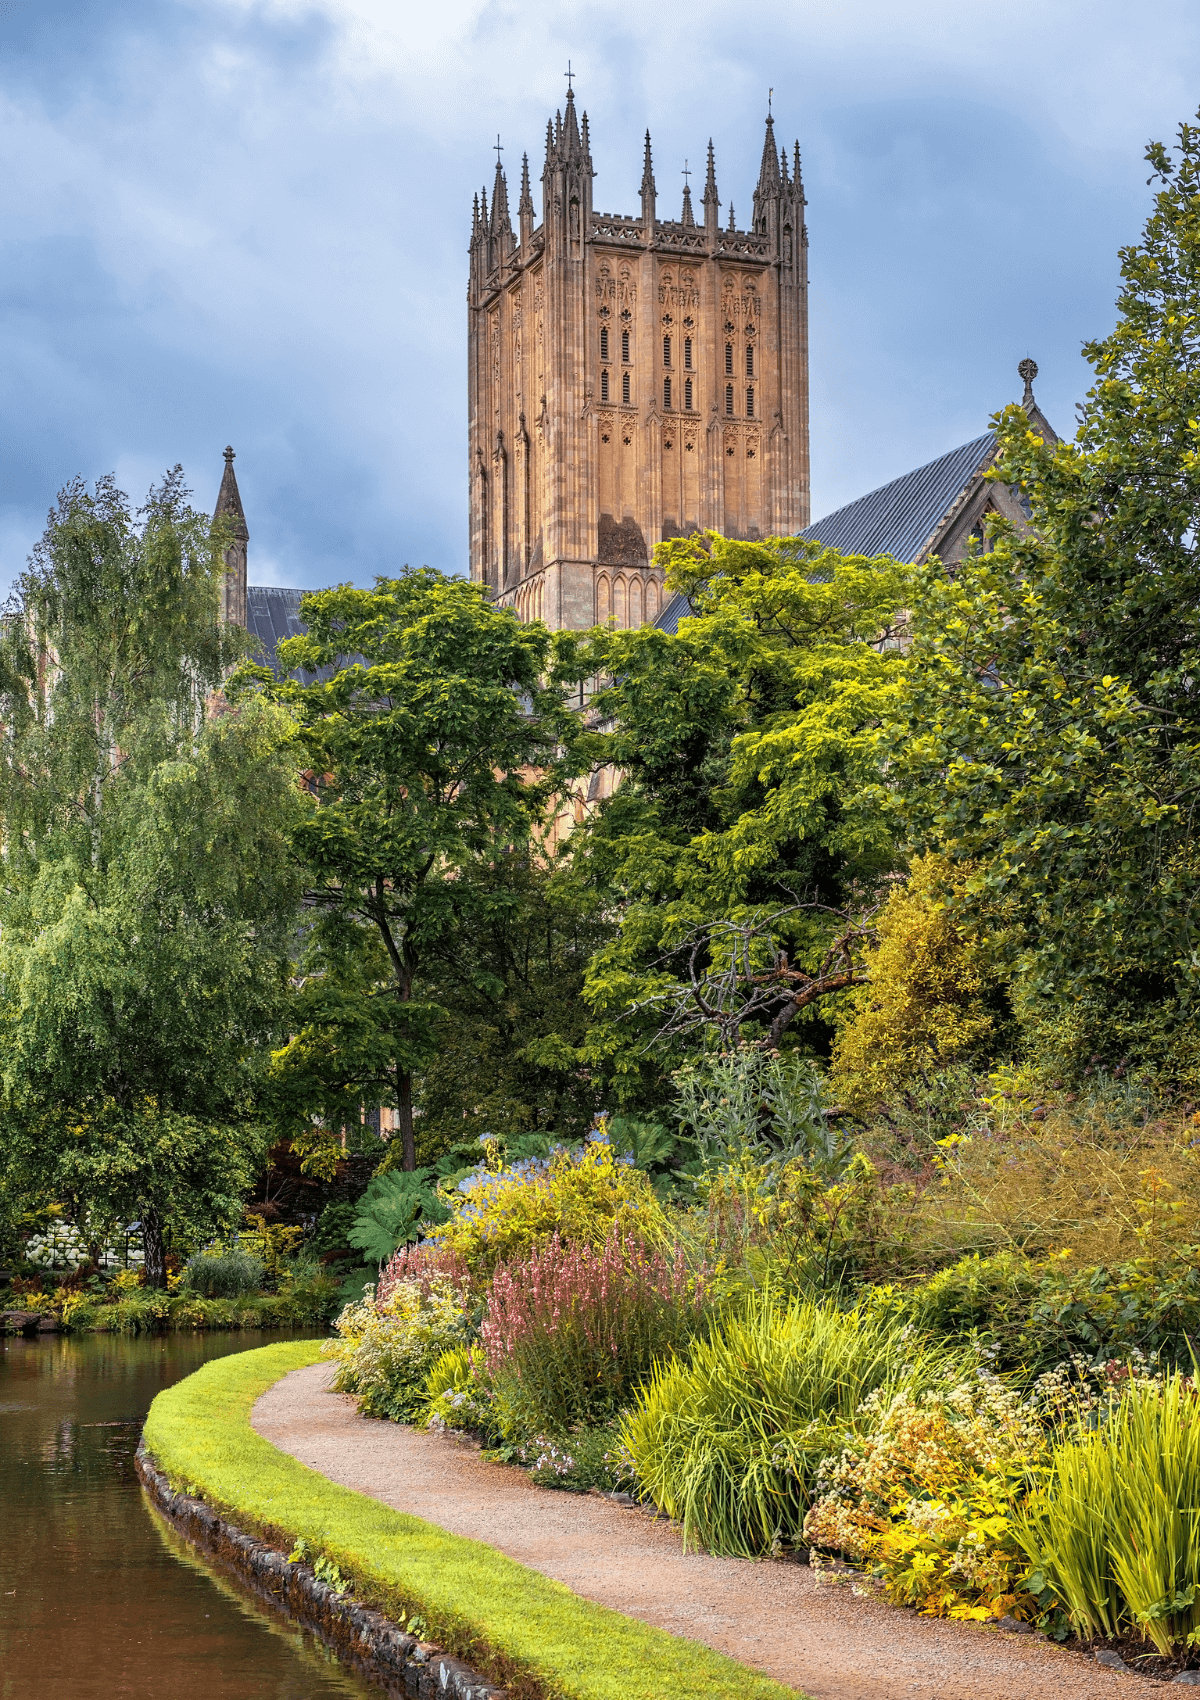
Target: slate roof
(668, 617)
(272, 614)
(903, 517)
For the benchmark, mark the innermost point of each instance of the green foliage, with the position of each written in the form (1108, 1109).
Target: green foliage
(458, 1392)
(579, 1195)
(929, 1001)
(728, 1440)
(1051, 730)
(391, 1211)
(747, 745)
(307, 1304)
(148, 896)
(755, 1107)
(988, 1297)
(509, 990)
(1113, 1531)
(385, 1351)
(224, 1274)
(526, 1633)
(431, 756)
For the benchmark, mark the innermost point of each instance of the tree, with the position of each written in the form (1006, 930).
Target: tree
(748, 817)
(510, 991)
(927, 1000)
(147, 893)
(1052, 736)
(433, 752)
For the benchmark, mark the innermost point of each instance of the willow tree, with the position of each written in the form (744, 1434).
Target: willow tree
(146, 890)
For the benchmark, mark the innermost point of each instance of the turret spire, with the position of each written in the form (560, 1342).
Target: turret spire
(764, 218)
(710, 180)
(229, 508)
(648, 189)
(688, 218)
(501, 223)
(571, 138)
(525, 204)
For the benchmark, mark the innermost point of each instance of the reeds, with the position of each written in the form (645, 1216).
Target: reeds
(1115, 1528)
(729, 1441)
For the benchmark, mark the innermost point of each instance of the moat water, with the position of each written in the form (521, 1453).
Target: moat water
(99, 1600)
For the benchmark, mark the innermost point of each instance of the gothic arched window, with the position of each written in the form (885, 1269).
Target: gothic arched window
(666, 351)
(729, 358)
(604, 386)
(750, 402)
(666, 392)
(729, 398)
(687, 394)
(624, 345)
(604, 342)
(625, 388)
(687, 353)
(749, 359)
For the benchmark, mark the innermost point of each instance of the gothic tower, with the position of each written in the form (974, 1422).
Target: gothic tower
(233, 585)
(630, 379)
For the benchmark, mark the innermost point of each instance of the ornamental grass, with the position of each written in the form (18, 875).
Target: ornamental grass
(728, 1442)
(1114, 1531)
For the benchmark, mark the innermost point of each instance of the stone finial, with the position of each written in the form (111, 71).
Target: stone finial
(1028, 371)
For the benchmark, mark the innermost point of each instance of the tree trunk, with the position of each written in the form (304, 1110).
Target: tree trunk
(154, 1249)
(404, 1112)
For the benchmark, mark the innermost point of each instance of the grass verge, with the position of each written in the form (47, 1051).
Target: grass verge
(512, 1624)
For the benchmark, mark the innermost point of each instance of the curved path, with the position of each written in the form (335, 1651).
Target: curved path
(771, 1616)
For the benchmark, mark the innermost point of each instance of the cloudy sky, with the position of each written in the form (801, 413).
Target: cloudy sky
(246, 221)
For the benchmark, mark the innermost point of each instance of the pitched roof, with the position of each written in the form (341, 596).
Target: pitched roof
(669, 615)
(903, 518)
(272, 614)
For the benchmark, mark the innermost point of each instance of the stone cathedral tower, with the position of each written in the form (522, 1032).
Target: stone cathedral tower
(630, 379)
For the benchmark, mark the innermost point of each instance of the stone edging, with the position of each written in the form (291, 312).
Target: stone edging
(384, 1652)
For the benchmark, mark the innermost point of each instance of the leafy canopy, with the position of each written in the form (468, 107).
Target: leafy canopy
(1052, 732)
(748, 745)
(432, 748)
(147, 891)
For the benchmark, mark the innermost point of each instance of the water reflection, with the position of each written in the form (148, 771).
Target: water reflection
(98, 1598)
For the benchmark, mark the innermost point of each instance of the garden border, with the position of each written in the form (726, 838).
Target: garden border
(370, 1641)
(528, 1635)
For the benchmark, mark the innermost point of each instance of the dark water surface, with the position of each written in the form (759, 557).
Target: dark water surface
(98, 1598)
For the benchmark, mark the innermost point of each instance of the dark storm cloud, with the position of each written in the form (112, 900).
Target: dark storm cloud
(246, 222)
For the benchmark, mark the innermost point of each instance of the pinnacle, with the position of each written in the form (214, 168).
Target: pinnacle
(229, 500)
(647, 169)
(710, 181)
(768, 177)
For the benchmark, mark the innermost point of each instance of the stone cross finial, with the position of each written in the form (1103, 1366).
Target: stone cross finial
(229, 454)
(1027, 370)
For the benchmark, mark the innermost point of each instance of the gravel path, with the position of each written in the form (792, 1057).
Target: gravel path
(771, 1616)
